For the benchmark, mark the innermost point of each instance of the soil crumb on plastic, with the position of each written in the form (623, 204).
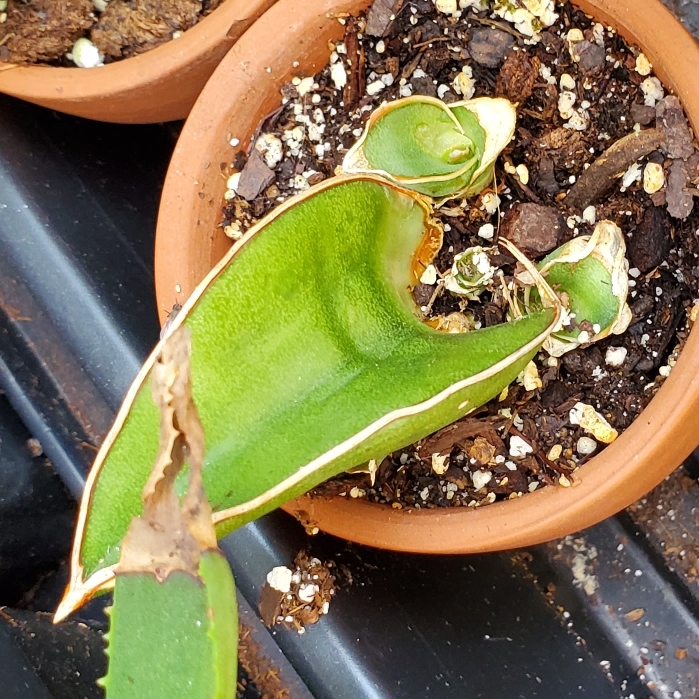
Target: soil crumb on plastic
(298, 597)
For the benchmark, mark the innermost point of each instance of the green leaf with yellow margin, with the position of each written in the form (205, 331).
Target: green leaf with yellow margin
(173, 624)
(309, 358)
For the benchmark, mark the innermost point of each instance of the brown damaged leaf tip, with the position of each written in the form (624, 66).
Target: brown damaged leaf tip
(169, 536)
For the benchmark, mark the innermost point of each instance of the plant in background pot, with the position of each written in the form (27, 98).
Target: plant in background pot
(160, 84)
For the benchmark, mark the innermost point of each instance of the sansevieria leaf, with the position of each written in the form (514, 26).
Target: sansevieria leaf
(173, 623)
(308, 358)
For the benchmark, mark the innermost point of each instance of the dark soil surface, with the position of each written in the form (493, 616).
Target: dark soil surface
(422, 52)
(44, 31)
(307, 598)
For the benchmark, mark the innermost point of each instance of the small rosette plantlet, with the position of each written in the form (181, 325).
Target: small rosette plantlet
(444, 151)
(309, 355)
(470, 274)
(173, 624)
(590, 277)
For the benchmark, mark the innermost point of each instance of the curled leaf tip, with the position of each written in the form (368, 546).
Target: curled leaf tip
(590, 274)
(590, 277)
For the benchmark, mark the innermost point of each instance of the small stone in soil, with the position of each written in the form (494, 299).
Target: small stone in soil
(642, 114)
(255, 177)
(381, 15)
(586, 445)
(533, 228)
(589, 56)
(546, 180)
(488, 47)
(672, 123)
(422, 294)
(679, 201)
(651, 242)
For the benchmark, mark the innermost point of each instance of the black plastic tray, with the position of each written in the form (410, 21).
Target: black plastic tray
(78, 202)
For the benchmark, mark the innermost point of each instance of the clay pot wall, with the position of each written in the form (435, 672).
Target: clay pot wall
(160, 85)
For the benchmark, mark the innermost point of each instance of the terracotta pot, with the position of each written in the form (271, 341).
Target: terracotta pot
(243, 89)
(160, 85)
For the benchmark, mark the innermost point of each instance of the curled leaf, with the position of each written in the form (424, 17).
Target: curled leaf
(347, 373)
(440, 150)
(590, 276)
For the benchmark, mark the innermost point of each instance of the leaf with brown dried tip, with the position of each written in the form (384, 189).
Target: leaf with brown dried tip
(173, 631)
(168, 537)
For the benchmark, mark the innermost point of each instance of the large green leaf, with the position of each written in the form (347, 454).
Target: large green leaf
(308, 358)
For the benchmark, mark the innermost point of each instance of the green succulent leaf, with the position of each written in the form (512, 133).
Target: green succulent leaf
(421, 138)
(577, 281)
(589, 274)
(592, 272)
(303, 370)
(439, 150)
(174, 639)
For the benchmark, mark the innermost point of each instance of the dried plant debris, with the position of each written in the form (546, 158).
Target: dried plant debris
(299, 597)
(597, 138)
(260, 670)
(89, 33)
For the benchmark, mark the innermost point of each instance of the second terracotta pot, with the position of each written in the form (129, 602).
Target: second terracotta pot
(189, 242)
(159, 85)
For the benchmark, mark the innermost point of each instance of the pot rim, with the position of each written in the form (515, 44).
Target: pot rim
(657, 441)
(182, 65)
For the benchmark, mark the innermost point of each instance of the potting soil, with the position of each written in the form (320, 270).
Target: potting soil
(579, 89)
